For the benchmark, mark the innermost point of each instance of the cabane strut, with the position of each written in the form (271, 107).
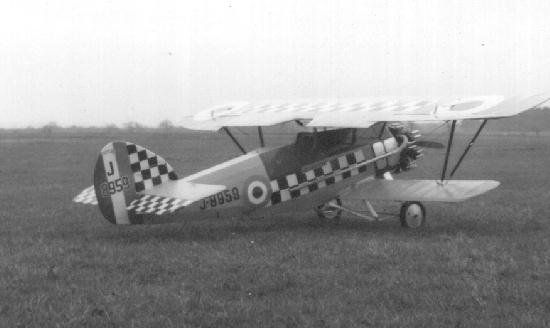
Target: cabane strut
(234, 140)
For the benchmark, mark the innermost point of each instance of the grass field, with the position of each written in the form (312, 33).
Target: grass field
(482, 263)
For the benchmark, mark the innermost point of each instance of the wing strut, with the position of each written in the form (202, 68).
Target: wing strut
(382, 130)
(261, 135)
(234, 140)
(448, 152)
(468, 147)
(466, 150)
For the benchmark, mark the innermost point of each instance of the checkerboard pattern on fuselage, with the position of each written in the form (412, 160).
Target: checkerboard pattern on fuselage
(297, 184)
(149, 169)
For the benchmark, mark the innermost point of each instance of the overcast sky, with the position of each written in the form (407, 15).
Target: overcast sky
(101, 62)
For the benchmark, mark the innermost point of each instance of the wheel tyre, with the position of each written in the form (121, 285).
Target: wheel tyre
(412, 215)
(327, 212)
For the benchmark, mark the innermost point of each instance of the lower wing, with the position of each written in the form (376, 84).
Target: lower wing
(420, 190)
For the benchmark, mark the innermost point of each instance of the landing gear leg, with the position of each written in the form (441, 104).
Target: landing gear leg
(329, 212)
(412, 215)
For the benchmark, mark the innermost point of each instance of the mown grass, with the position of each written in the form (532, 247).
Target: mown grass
(484, 263)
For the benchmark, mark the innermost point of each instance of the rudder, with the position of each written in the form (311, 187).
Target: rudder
(122, 170)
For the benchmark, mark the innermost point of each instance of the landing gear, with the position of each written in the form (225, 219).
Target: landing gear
(329, 212)
(412, 215)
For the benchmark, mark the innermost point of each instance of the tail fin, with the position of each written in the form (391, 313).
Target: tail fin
(122, 170)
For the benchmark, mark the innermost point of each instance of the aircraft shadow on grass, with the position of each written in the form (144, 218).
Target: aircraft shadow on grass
(210, 230)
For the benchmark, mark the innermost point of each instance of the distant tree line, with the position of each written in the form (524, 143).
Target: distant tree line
(535, 121)
(132, 126)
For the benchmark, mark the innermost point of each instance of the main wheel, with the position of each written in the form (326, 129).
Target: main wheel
(328, 212)
(413, 215)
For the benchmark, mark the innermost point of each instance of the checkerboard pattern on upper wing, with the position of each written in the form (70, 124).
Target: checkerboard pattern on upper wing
(150, 204)
(308, 108)
(86, 196)
(149, 169)
(297, 184)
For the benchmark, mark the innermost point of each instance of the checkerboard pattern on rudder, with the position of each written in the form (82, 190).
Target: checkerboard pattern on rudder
(149, 169)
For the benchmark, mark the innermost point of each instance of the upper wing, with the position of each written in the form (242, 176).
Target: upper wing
(362, 113)
(420, 190)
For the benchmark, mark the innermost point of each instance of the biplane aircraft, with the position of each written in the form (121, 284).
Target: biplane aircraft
(352, 150)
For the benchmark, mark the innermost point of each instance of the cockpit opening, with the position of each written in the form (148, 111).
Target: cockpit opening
(334, 140)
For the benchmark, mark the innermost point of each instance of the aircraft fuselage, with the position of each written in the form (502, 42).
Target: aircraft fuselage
(295, 177)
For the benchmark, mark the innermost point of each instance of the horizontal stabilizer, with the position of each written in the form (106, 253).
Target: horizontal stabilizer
(171, 196)
(86, 196)
(420, 190)
(162, 199)
(184, 190)
(149, 204)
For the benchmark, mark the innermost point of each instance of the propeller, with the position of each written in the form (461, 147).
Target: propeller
(413, 151)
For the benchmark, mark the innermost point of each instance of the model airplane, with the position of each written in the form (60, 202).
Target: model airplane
(352, 151)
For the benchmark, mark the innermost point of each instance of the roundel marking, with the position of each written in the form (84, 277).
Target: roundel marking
(257, 190)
